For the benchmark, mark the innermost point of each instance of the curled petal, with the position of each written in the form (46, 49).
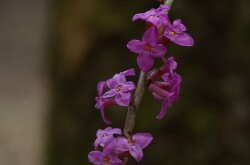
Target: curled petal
(135, 46)
(95, 157)
(150, 36)
(106, 121)
(142, 139)
(158, 50)
(130, 72)
(139, 16)
(136, 152)
(145, 62)
(122, 98)
(100, 87)
(166, 103)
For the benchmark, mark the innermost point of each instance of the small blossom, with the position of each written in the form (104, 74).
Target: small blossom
(120, 90)
(157, 17)
(106, 135)
(106, 157)
(176, 33)
(168, 89)
(134, 145)
(147, 49)
(119, 93)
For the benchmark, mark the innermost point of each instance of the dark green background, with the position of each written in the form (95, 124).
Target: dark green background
(209, 125)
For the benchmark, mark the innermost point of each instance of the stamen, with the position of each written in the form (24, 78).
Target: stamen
(106, 159)
(147, 47)
(172, 33)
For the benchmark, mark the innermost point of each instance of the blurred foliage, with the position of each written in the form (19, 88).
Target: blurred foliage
(210, 122)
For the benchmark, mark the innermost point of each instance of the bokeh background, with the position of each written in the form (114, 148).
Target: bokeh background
(53, 53)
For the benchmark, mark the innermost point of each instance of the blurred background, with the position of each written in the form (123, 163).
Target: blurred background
(53, 54)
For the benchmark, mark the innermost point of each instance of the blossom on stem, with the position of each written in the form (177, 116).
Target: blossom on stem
(106, 157)
(147, 49)
(134, 145)
(119, 92)
(176, 33)
(167, 90)
(106, 135)
(157, 17)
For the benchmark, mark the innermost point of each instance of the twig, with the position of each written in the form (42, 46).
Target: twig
(134, 105)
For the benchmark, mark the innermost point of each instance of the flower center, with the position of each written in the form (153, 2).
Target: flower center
(106, 159)
(172, 33)
(147, 47)
(118, 89)
(131, 142)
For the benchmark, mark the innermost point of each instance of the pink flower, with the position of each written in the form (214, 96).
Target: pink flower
(157, 17)
(147, 49)
(105, 136)
(106, 157)
(176, 33)
(119, 93)
(135, 145)
(120, 90)
(167, 90)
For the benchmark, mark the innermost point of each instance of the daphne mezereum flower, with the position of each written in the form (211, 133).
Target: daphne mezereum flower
(119, 92)
(176, 33)
(106, 135)
(147, 49)
(157, 17)
(107, 157)
(167, 90)
(135, 145)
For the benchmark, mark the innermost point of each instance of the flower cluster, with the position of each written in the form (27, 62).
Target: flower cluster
(112, 148)
(159, 33)
(119, 92)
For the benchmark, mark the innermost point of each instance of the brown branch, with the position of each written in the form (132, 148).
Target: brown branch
(134, 105)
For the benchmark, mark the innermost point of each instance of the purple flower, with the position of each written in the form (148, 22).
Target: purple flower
(120, 90)
(119, 93)
(105, 136)
(147, 49)
(106, 157)
(168, 89)
(157, 17)
(135, 145)
(176, 33)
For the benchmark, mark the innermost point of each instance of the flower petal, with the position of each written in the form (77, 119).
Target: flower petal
(150, 36)
(135, 46)
(106, 121)
(122, 98)
(122, 144)
(95, 157)
(136, 152)
(178, 26)
(159, 50)
(182, 39)
(139, 16)
(155, 20)
(128, 86)
(142, 139)
(145, 62)
(130, 72)
(110, 93)
(100, 87)
(117, 79)
(166, 103)
(115, 131)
